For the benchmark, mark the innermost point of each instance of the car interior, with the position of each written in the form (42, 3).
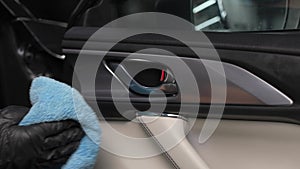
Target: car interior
(258, 45)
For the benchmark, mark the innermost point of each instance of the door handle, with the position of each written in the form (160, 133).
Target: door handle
(168, 83)
(167, 88)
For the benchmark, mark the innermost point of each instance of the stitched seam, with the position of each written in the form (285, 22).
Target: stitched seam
(164, 152)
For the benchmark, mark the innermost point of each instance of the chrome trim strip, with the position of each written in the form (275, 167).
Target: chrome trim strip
(176, 116)
(114, 75)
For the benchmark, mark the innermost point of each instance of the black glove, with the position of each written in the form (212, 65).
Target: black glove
(44, 145)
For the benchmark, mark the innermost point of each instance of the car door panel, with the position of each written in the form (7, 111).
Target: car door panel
(261, 60)
(251, 134)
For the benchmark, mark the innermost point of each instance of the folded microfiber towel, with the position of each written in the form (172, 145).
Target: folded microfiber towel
(54, 101)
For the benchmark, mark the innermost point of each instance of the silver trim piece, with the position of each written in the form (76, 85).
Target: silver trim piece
(169, 115)
(114, 75)
(253, 84)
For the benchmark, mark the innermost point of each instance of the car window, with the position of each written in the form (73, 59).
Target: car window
(245, 15)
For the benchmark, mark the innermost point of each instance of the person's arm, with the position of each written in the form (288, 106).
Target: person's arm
(44, 145)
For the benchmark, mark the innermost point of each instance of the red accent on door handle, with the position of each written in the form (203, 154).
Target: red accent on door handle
(162, 76)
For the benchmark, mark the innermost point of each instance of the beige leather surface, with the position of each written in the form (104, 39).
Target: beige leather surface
(234, 145)
(170, 133)
(250, 145)
(110, 161)
(107, 160)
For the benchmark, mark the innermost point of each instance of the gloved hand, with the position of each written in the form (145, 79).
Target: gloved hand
(44, 145)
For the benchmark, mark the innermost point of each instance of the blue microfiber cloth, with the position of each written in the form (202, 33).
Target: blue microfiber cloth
(54, 101)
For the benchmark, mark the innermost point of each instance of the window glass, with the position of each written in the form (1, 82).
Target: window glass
(245, 15)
